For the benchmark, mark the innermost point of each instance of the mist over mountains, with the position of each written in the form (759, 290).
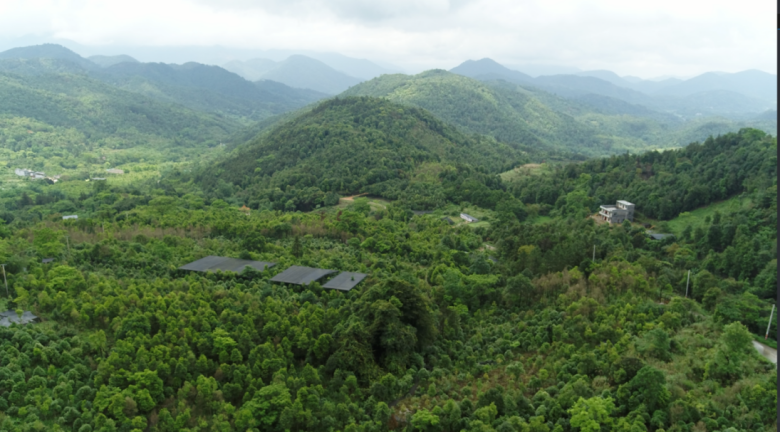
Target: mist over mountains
(739, 95)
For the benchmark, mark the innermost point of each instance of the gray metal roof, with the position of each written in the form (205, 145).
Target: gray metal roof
(47, 260)
(9, 317)
(300, 275)
(213, 263)
(660, 236)
(345, 281)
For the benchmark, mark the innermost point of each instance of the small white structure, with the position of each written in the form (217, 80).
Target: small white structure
(70, 217)
(115, 171)
(624, 210)
(35, 175)
(468, 218)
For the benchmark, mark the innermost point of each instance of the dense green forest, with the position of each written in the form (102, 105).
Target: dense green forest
(536, 318)
(511, 326)
(196, 86)
(590, 124)
(358, 145)
(663, 183)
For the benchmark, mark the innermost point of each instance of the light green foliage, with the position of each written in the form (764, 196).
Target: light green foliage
(591, 414)
(438, 337)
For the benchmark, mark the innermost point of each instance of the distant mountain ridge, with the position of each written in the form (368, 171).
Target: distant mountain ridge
(751, 92)
(194, 85)
(106, 61)
(297, 71)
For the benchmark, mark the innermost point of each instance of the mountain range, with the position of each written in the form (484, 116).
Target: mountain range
(739, 95)
(194, 85)
(589, 113)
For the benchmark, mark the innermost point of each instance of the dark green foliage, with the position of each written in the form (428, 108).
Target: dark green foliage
(664, 184)
(355, 145)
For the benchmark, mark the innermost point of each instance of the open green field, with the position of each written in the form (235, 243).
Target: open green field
(525, 170)
(696, 217)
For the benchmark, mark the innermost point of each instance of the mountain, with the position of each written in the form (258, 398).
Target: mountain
(767, 115)
(39, 66)
(251, 70)
(47, 51)
(752, 83)
(349, 146)
(510, 114)
(103, 111)
(307, 73)
(105, 61)
(194, 85)
(486, 69)
(208, 88)
(605, 75)
(536, 70)
(634, 83)
(358, 68)
(732, 95)
(712, 103)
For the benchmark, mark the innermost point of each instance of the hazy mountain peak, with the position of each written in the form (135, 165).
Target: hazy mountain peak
(47, 50)
(106, 61)
(489, 68)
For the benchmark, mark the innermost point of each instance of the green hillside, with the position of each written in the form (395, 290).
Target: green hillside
(196, 86)
(661, 184)
(511, 114)
(68, 124)
(504, 326)
(356, 145)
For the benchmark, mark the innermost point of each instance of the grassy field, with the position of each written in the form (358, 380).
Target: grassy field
(525, 170)
(538, 220)
(696, 217)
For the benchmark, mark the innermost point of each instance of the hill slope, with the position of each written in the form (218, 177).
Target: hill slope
(196, 86)
(349, 146)
(510, 113)
(72, 123)
(47, 51)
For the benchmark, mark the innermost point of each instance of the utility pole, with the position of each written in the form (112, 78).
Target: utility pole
(686, 284)
(67, 242)
(594, 253)
(770, 322)
(5, 281)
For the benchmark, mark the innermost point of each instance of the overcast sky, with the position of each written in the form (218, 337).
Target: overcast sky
(646, 39)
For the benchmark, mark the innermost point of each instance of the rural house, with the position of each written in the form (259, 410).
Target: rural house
(617, 213)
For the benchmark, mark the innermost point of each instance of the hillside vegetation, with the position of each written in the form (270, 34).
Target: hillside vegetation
(536, 318)
(356, 145)
(196, 86)
(587, 123)
(439, 337)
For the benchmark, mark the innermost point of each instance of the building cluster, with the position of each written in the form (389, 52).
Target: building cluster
(296, 275)
(35, 175)
(622, 210)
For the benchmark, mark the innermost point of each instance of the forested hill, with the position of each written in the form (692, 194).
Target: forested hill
(663, 184)
(356, 145)
(510, 114)
(196, 86)
(100, 110)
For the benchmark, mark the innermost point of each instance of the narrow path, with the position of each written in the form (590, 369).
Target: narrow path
(768, 352)
(352, 198)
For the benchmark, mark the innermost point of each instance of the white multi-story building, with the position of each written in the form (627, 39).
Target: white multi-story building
(623, 210)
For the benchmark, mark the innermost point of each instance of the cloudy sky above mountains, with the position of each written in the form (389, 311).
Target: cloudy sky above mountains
(646, 39)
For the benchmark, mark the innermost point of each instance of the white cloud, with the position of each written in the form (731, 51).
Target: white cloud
(643, 39)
